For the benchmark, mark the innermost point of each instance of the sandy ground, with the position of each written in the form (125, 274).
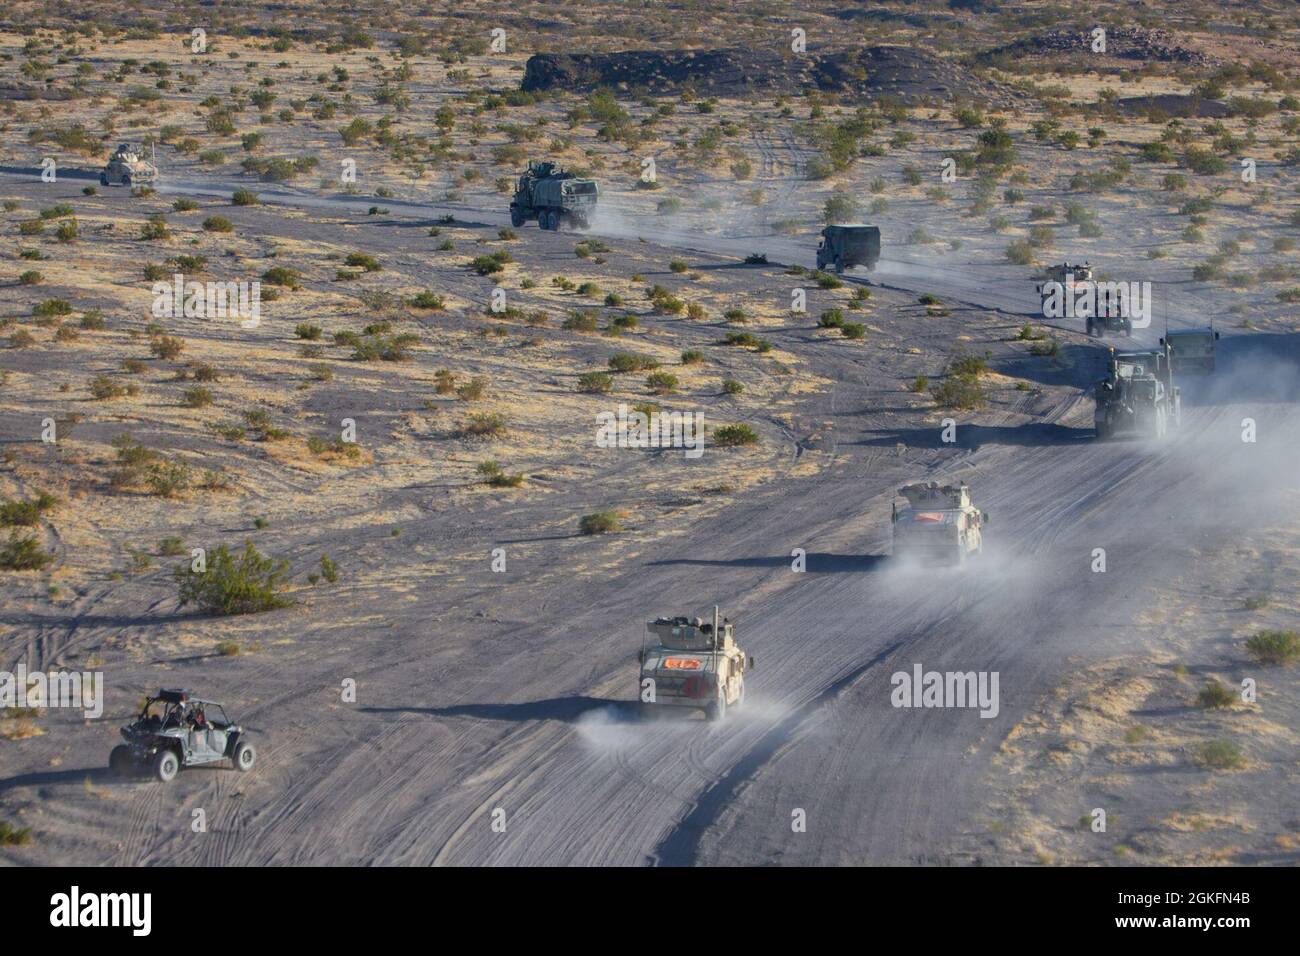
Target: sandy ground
(481, 691)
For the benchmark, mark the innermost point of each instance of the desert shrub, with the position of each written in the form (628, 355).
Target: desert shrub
(103, 388)
(1215, 696)
(31, 277)
(92, 320)
(23, 552)
(234, 583)
(853, 330)
(1219, 755)
(678, 265)
(282, 276)
(595, 383)
(361, 260)
(427, 300)
(197, 397)
(599, 522)
(1275, 647)
(731, 387)
(11, 835)
(632, 362)
(307, 330)
(831, 319)
(166, 346)
(184, 205)
(52, 308)
(473, 390)
(244, 197)
(166, 479)
(328, 569)
(692, 357)
(661, 383)
(217, 224)
(483, 425)
(580, 322)
(959, 391)
(729, 436)
(490, 264)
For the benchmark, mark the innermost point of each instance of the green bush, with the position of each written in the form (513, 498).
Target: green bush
(595, 383)
(244, 197)
(600, 522)
(1275, 647)
(661, 383)
(234, 583)
(733, 435)
(1215, 696)
(1219, 755)
(632, 362)
(22, 552)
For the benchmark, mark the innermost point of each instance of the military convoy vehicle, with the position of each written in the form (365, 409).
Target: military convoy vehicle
(1193, 349)
(128, 167)
(846, 246)
(1138, 395)
(694, 664)
(938, 523)
(1109, 317)
(1059, 273)
(177, 729)
(553, 197)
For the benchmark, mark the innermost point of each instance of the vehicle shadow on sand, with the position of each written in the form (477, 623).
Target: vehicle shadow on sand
(817, 562)
(971, 437)
(565, 709)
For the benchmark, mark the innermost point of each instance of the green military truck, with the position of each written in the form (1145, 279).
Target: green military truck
(1193, 349)
(553, 197)
(845, 246)
(1138, 396)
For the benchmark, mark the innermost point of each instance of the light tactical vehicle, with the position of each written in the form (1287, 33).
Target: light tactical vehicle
(1138, 395)
(128, 167)
(694, 664)
(938, 523)
(1060, 273)
(1193, 349)
(177, 729)
(553, 197)
(1110, 314)
(845, 246)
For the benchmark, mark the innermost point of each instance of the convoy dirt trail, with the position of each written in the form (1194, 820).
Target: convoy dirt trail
(444, 669)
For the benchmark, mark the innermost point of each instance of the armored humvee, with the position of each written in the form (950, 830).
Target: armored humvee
(846, 246)
(692, 663)
(128, 167)
(553, 197)
(938, 523)
(1060, 273)
(1109, 313)
(1138, 395)
(177, 729)
(1193, 349)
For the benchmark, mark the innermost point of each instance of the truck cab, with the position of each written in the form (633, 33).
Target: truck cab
(849, 245)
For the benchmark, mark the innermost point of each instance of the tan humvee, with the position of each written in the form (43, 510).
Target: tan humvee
(683, 665)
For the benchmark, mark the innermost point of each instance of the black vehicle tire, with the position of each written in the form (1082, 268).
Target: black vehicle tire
(244, 756)
(126, 179)
(103, 179)
(839, 266)
(121, 761)
(516, 217)
(166, 765)
(717, 711)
